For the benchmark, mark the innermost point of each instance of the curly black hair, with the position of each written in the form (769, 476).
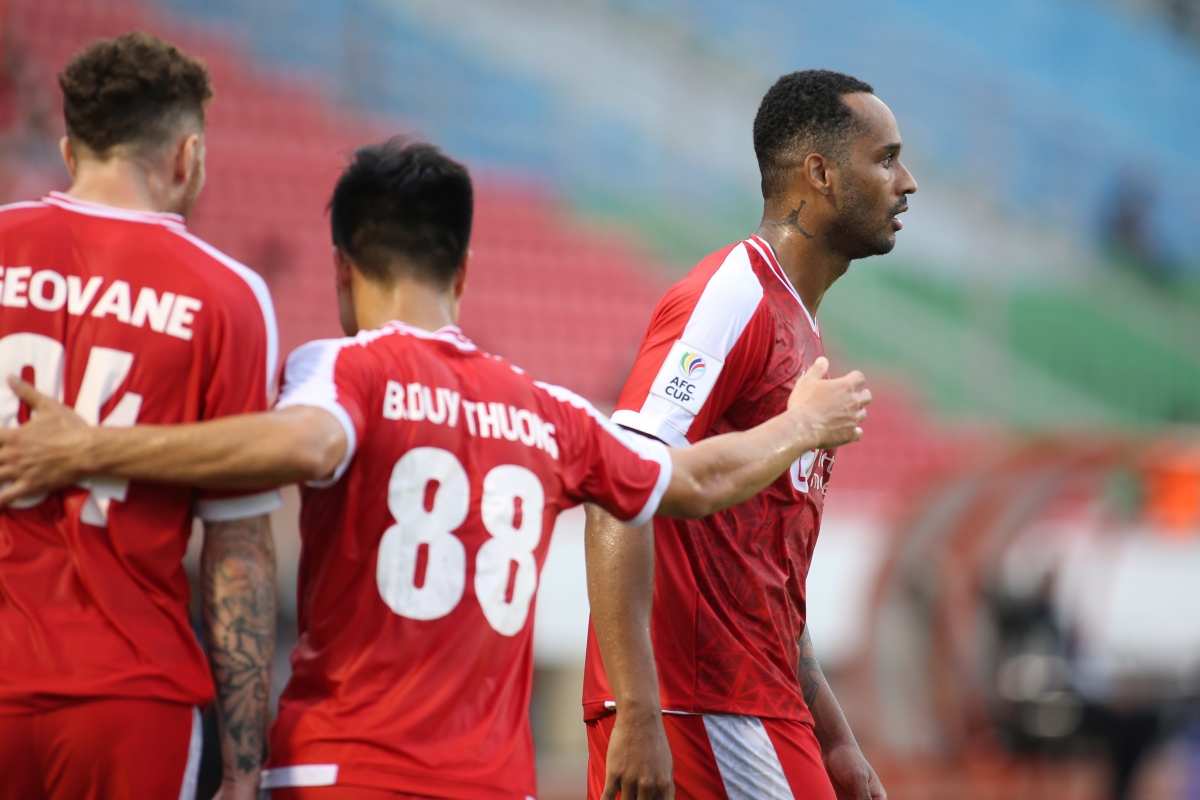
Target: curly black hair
(802, 113)
(403, 206)
(132, 90)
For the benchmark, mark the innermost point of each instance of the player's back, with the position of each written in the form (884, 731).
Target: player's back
(126, 318)
(421, 558)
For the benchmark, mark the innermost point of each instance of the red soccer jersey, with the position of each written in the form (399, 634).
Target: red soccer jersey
(722, 354)
(128, 318)
(421, 557)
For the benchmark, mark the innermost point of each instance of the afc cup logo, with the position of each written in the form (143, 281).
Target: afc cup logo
(692, 366)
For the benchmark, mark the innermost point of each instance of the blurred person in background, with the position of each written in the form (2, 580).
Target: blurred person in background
(111, 306)
(719, 603)
(436, 472)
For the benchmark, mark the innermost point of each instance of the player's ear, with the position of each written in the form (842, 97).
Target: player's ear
(818, 172)
(68, 154)
(343, 266)
(460, 277)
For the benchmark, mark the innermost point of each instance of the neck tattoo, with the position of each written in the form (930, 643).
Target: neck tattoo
(793, 221)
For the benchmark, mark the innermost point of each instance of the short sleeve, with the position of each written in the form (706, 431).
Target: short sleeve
(240, 383)
(600, 463)
(336, 375)
(707, 341)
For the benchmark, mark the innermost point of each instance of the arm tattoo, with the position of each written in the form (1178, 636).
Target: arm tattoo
(238, 590)
(793, 221)
(811, 677)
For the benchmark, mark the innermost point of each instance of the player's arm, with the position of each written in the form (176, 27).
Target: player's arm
(237, 585)
(56, 448)
(722, 471)
(620, 577)
(852, 776)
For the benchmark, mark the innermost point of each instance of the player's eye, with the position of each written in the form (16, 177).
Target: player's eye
(887, 160)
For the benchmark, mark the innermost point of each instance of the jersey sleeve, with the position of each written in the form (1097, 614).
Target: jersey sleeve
(707, 343)
(240, 383)
(340, 377)
(600, 463)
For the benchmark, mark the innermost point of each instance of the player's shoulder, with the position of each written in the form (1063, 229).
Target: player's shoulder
(724, 283)
(34, 219)
(23, 211)
(375, 348)
(719, 298)
(224, 275)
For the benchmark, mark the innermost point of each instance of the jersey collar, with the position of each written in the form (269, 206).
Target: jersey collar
(767, 252)
(63, 200)
(451, 334)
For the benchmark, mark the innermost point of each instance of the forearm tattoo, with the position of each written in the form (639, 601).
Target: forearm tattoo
(238, 591)
(811, 677)
(792, 220)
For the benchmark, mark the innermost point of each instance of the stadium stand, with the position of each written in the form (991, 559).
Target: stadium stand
(565, 302)
(1003, 107)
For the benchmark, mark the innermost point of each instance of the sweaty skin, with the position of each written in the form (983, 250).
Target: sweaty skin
(827, 215)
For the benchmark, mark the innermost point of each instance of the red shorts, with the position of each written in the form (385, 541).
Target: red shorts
(728, 757)
(102, 749)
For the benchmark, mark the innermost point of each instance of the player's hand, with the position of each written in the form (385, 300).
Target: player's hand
(851, 775)
(39, 456)
(639, 763)
(833, 407)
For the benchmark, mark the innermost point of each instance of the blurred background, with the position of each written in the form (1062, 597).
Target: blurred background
(1006, 591)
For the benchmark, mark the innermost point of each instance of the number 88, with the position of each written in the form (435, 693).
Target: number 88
(511, 510)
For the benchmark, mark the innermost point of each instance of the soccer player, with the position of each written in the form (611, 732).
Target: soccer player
(110, 305)
(746, 710)
(436, 472)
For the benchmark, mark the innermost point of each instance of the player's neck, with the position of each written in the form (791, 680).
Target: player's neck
(117, 183)
(413, 302)
(806, 262)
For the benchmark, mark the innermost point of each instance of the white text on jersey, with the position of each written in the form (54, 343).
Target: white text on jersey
(46, 290)
(417, 402)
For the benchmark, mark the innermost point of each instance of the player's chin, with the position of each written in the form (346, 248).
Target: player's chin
(883, 244)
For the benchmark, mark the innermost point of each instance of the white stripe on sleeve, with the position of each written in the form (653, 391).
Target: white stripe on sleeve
(300, 775)
(226, 509)
(724, 309)
(308, 381)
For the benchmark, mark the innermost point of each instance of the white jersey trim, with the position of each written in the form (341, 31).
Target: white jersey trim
(647, 449)
(308, 380)
(746, 758)
(23, 204)
(261, 293)
(191, 772)
(226, 509)
(725, 307)
(660, 429)
(768, 253)
(62, 200)
(300, 775)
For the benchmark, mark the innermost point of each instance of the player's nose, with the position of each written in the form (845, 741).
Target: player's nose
(907, 183)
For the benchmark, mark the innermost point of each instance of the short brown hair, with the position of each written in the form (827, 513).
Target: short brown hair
(132, 90)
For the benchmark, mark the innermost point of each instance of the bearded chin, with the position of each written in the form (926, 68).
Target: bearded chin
(855, 236)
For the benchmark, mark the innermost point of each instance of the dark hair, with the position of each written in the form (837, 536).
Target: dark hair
(403, 206)
(803, 113)
(131, 90)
